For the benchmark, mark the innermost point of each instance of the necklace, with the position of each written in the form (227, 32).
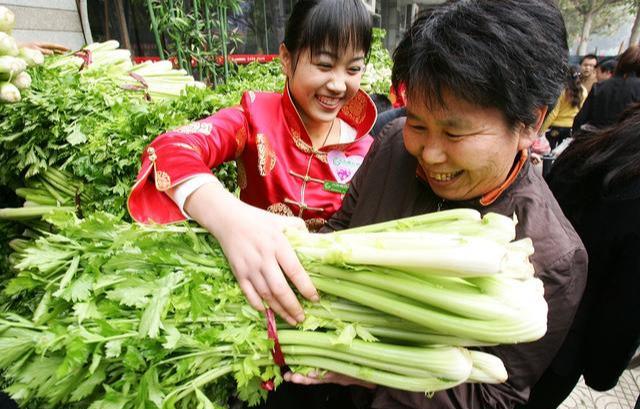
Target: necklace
(306, 174)
(326, 137)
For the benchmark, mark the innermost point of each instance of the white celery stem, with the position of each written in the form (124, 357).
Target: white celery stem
(487, 368)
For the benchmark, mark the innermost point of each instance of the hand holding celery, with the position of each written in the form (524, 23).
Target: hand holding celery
(257, 250)
(118, 305)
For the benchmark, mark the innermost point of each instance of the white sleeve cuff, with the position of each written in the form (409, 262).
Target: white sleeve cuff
(181, 192)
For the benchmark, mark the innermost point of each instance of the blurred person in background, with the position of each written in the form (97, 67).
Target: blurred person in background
(608, 99)
(560, 120)
(588, 70)
(605, 69)
(596, 181)
(381, 101)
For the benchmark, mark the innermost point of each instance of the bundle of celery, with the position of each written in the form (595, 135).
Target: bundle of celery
(95, 131)
(376, 78)
(157, 80)
(143, 316)
(104, 57)
(14, 61)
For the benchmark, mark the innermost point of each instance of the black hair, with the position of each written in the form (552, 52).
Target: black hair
(381, 101)
(629, 62)
(607, 65)
(595, 163)
(336, 25)
(589, 57)
(574, 90)
(510, 55)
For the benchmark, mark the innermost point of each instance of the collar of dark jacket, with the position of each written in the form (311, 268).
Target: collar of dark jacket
(521, 163)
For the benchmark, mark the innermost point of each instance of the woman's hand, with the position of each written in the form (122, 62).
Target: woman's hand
(258, 252)
(314, 378)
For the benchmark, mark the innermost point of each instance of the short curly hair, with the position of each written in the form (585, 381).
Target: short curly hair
(506, 54)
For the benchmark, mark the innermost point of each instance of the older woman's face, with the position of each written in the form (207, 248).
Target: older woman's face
(465, 151)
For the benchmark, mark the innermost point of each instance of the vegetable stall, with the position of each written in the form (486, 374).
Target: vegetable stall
(98, 312)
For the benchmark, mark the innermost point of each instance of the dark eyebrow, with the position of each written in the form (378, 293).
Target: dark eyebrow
(411, 115)
(454, 123)
(328, 54)
(334, 56)
(449, 122)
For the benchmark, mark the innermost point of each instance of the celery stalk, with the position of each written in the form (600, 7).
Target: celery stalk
(376, 376)
(448, 362)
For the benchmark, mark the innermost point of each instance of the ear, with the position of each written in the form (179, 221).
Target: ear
(285, 60)
(528, 134)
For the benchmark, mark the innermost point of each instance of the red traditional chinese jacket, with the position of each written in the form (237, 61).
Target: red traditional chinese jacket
(278, 168)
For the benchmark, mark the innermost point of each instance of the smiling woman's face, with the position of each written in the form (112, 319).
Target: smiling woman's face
(322, 85)
(465, 151)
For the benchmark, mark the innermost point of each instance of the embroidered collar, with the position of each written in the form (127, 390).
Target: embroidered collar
(359, 113)
(492, 196)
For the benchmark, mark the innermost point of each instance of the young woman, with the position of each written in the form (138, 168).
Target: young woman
(597, 183)
(296, 153)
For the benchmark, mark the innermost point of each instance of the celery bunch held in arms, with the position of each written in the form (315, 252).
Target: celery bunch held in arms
(128, 316)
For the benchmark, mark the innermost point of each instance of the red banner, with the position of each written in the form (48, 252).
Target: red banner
(240, 59)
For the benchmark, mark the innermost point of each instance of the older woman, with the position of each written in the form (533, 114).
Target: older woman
(480, 78)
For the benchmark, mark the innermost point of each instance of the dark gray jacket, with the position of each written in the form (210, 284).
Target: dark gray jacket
(606, 101)
(386, 187)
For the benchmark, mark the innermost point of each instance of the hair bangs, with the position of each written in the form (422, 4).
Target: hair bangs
(337, 25)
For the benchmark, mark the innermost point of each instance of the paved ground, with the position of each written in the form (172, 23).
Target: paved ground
(623, 396)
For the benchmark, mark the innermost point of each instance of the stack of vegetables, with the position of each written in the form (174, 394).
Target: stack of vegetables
(120, 315)
(158, 80)
(14, 61)
(87, 125)
(377, 75)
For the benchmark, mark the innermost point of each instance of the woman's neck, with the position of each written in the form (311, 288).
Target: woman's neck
(324, 133)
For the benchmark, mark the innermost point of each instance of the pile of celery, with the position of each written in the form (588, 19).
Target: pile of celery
(121, 315)
(14, 61)
(158, 80)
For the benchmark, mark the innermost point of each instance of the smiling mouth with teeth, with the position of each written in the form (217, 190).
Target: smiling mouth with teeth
(443, 177)
(329, 101)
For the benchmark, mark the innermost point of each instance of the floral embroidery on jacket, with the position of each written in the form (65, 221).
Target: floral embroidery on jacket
(355, 110)
(315, 224)
(163, 180)
(280, 208)
(242, 174)
(266, 155)
(305, 147)
(196, 127)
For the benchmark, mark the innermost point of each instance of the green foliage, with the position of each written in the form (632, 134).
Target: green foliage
(72, 356)
(96, 131)
(197, 31)
(606, 16)
(377, 77)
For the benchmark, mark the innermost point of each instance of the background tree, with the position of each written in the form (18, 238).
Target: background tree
(587, 17)
(634, 8)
